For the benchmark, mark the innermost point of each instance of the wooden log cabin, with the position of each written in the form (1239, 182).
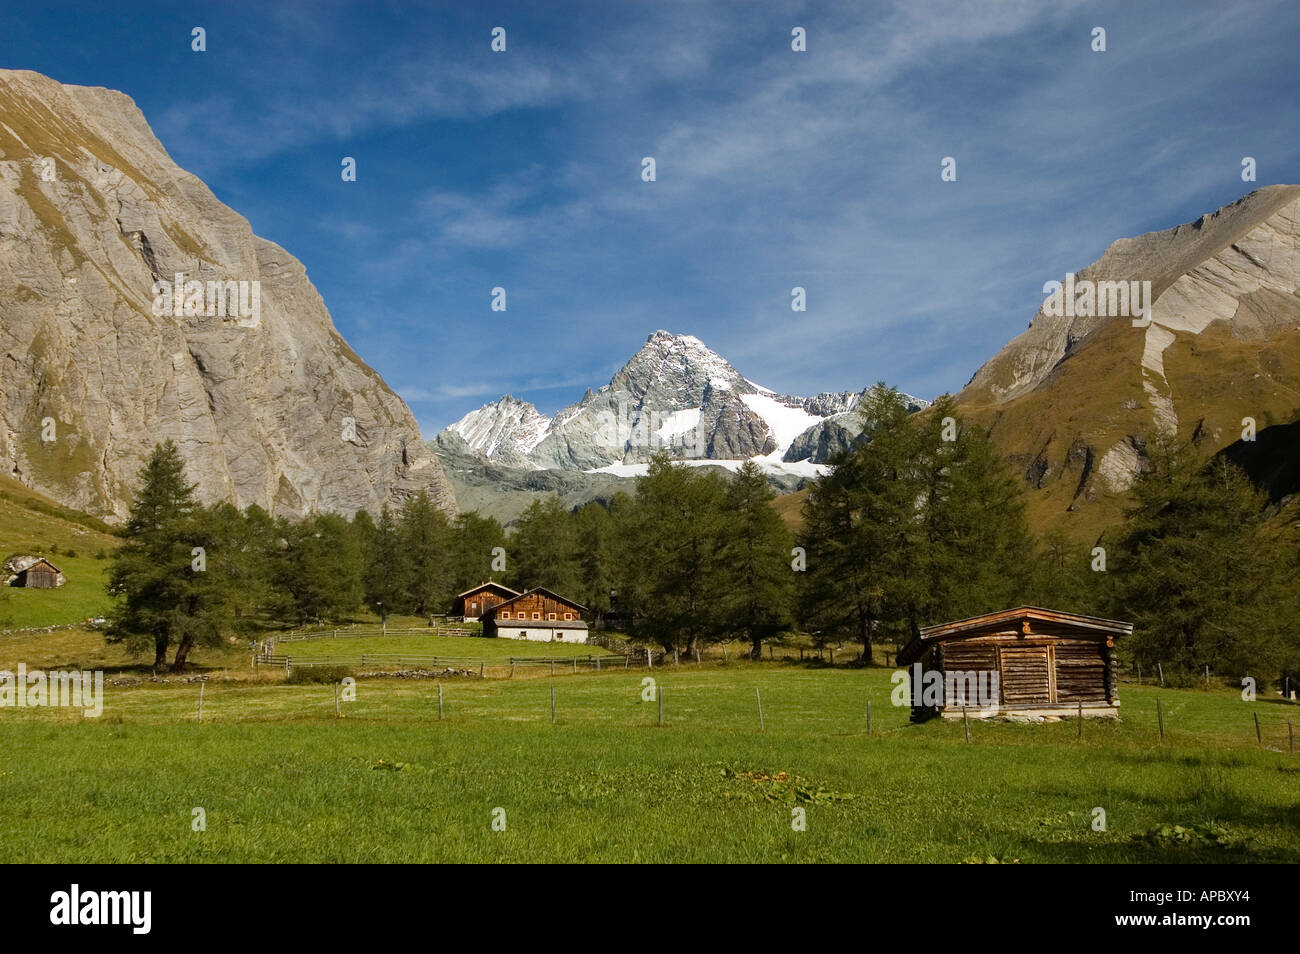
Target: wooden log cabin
(1037, 662)
(473, 603)
(39, 574)
(538, 615)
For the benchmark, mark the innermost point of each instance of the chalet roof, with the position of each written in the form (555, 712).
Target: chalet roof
(538, 589)
(490, 584)
(38, 563)
(1000, 621)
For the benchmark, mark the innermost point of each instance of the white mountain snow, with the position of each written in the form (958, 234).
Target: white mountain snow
(675, 394)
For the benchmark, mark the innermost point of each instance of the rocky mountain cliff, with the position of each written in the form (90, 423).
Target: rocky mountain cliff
(1074, 399)
(134, 306)
(677, 395)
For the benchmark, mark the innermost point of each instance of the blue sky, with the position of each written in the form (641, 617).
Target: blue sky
(821, 169)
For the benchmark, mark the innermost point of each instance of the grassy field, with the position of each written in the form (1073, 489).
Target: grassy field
(473, 647)
(282, 779)
(72, 547)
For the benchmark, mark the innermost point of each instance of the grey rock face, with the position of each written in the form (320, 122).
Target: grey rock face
(1223, 266)
(505, 431)
(675, 395)
(268, 406)
(840, 431)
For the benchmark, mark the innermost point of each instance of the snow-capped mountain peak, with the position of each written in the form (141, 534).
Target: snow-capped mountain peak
(506, 430)
(674, 394)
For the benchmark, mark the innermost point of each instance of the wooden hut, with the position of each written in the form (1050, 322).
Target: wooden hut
(39, 574)
(1024, 662)
(539, 615)
(473, 603)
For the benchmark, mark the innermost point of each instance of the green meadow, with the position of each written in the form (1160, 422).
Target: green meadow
(492, 651)
(281, 778)
(31, 524)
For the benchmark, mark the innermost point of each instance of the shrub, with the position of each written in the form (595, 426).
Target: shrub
(317, 675)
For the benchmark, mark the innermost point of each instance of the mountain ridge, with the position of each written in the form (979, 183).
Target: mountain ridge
(673, 394)
(1073, 401)
(268, 406)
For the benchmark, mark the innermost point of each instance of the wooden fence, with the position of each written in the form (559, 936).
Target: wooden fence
(369, 632)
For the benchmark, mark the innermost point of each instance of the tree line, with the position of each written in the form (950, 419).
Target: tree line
(918, 523)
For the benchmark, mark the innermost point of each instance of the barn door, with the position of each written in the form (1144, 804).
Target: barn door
(1026, 675)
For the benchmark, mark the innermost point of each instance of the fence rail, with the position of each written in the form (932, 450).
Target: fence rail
(370, 632)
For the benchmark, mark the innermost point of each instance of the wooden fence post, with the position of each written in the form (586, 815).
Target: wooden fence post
(1080, 719)
(439, 700)
(201, 685)
(1160, 667)
(1160, 717)
(575, 665)
(1290, 736)
(965, 718)
(1258, 735)
(759, 697)
(868, 718)
(661, 705)
(336, 700)
(552, 703)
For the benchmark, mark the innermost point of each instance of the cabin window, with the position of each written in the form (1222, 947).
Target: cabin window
(550, 616)
(505, 614)
(568, 616)
(537, 616)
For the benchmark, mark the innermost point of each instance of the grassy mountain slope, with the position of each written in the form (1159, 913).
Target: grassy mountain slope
(76, 544)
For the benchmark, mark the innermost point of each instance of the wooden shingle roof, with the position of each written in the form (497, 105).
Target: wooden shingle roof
(1052, 622)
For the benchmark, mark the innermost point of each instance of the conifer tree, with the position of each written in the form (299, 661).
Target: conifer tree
(675, 527)
(594, 537)
(1202, 576)
(166, 596)
(756, 578)
(542, 550)
(386, 568)
(426, 542)
(475, 540)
